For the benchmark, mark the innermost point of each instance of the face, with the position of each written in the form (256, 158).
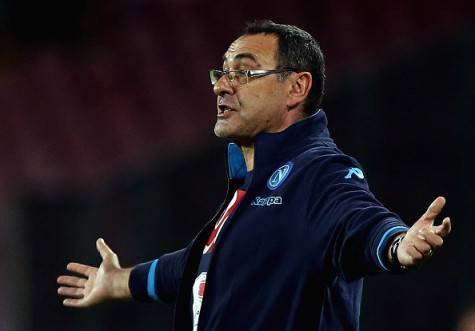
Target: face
(258, 106)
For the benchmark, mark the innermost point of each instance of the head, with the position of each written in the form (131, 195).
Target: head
(272, 102)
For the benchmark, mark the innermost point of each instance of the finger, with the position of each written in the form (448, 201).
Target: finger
(443, 229)
(71, 281)
(422, 246)
(79, 268)
(103, 249)
(414, 254)
(428, 234)
(434, 209)
(75, 303)
(72, 292)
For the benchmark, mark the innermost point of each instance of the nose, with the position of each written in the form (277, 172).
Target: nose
(223, 86)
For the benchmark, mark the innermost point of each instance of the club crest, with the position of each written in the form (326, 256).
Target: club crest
(279, 176)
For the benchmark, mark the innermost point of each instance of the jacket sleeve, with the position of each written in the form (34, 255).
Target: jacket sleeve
(358, 227)
(159, 280)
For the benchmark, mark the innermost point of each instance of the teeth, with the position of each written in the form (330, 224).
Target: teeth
(222, 109)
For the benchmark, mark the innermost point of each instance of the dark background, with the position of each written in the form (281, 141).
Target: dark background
(106, 116)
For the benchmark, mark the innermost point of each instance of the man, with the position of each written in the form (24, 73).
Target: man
(299, 227)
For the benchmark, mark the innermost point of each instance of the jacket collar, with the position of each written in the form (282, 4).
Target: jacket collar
(271, 149)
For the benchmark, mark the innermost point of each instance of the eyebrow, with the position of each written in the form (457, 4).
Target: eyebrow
(241, 56)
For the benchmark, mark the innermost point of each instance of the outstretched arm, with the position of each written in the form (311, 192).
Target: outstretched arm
(95, 285)
(423, 238)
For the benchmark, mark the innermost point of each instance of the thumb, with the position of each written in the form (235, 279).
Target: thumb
(443, 229)
(103, 249)
(432, 212)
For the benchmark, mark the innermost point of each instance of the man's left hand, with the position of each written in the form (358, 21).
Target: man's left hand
(423, 238)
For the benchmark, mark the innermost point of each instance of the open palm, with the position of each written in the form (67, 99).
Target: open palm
(95, 285)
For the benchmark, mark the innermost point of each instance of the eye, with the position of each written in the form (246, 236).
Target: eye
(232, 75)
(242, 75)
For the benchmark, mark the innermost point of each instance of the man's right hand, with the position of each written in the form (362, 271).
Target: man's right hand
(95, 285)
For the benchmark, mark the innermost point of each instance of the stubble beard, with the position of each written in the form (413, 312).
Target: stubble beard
(231, 133)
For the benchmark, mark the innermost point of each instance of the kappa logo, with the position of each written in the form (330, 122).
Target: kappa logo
(355, 171)
(279, 176)
(267, 201)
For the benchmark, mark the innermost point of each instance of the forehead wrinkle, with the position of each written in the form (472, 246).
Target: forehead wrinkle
(241, 56)
(260, 49)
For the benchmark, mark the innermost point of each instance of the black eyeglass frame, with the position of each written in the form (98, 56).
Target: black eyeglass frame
(243, 75)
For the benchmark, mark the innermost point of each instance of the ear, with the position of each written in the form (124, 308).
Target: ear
(300, 85)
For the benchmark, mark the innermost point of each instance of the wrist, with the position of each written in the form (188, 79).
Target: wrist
(120, 284)
(392, 255)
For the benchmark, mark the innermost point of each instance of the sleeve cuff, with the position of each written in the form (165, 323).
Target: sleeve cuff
(142, 282)
(383, 241)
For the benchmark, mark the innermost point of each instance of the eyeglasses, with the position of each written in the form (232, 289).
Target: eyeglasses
(241, 77)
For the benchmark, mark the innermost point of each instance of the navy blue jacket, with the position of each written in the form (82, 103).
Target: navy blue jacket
(293, 253)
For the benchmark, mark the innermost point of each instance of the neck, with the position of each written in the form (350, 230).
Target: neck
(248, 152)
(248, 148)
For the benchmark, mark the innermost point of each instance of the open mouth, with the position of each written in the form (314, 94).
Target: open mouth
(223, 109)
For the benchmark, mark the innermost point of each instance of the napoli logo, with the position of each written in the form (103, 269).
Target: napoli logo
(279, 176)
(355, 171)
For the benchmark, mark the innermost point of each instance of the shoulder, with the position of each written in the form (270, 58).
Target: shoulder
(327, 158)
(326, 165)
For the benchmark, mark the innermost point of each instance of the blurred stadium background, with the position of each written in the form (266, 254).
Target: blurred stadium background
(106, 116)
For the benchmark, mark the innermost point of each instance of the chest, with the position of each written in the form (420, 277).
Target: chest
(268, 226)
